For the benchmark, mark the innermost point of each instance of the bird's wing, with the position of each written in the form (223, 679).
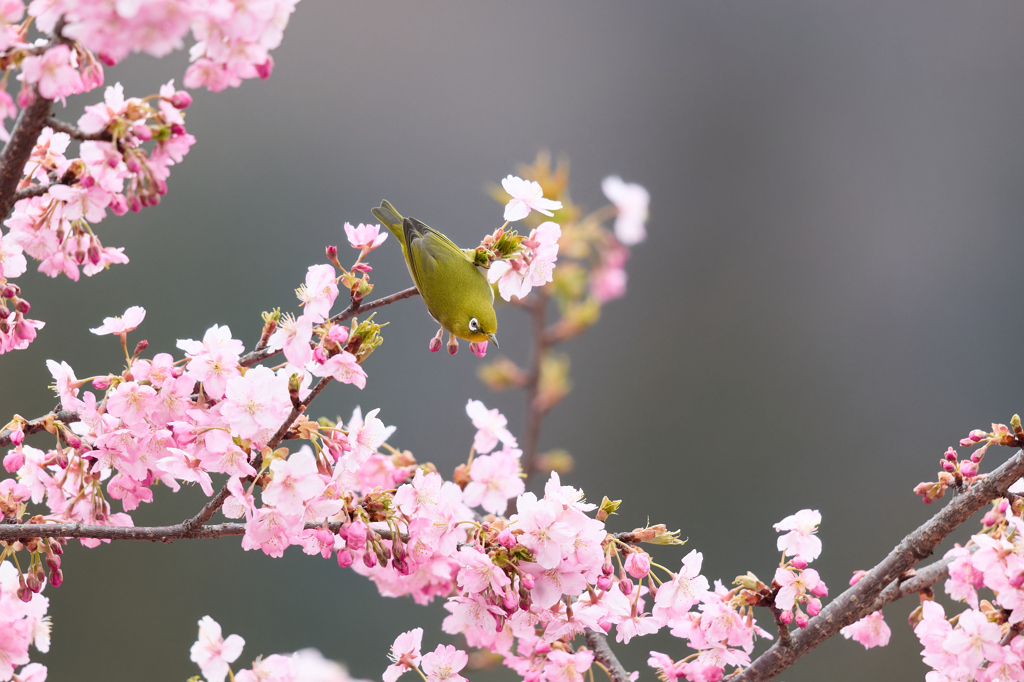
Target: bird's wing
(428, 248)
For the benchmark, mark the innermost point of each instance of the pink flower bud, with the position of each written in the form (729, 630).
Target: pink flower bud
(143, 132)
(266, 68)
(528, 581)
(1017, 580)
(814, 607)
(1004, 504)
(478, 349)
(510, 601)
(180, 99)
(542, 648)
(14, 460)
(786, 617)
(607, 569)
(968, 469)
(56, 577)
(604, 583)
(626, 587)
(506, 539)
(370, 559)
(799, 563)
(857, 575)
(17, 437)
(24, 593)
(820, 590)
(435, 344)
(453, 345)
(332, 253)
(338, 334)
(948, 466)
(101, 383)
(990, 519)
(606, 625)
(950, 455)
(355, 535)
(106, 59)
(176, 130)
(638, 564)
(801, 619)
(977, 435)
(362, 267)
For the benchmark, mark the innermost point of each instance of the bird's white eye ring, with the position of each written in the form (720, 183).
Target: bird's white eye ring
(474, 325)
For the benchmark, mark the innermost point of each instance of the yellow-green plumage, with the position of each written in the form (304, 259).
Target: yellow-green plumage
(457, 294)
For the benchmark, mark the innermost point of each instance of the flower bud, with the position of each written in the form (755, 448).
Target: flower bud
(948, 466)
(176, 130)
(786, 617)
(801, 619)
(626, 587)
(950, 455)
(101, 383)
(857, 575)
(56, 577)
(15, 459)
(180, 99)
(814, 607)
(990, 519)
(355, 535)
(370, 559)
(1017, 580)
(1004, 504)
(604, 583)
(435, 344)
(527, 581)
(266, 68)
(345, 558)
(506, 539)
(478, 349)
(638, 564)
(968, 469)
(453, 345)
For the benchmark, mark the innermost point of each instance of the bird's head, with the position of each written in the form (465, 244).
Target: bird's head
(480, 324)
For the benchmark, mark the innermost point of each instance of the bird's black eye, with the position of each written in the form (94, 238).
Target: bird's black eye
(474, 325)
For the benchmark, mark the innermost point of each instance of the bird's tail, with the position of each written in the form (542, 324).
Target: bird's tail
(391, 218)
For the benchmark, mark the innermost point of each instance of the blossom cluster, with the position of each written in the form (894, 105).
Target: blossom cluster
(126, 146)
(723, 630)
(23, 619)
(982, 642)
(960, 475)
(214, 654)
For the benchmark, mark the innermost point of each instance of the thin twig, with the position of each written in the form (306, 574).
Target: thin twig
(250, 359)
(27, 128)
(604, 655)
(861, 599)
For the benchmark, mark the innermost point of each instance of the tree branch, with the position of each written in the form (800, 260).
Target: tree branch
(77, 133)
(27, 127)
(604, 655)
(863, 597)
(24, 531)
(37, 425)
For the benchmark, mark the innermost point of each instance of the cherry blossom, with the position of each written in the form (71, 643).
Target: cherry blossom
(122, 324)
(526, 196)
(871, 631)
(444, 663)
(365, 237)
(405, 654)
(213, 652)
(631, 201)
(800, 541)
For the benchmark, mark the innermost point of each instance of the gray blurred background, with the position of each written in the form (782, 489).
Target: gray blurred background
(828, 298)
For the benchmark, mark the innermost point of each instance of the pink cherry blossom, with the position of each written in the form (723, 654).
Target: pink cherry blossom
(256, 403)
(526, 196)
(405, 654)
(293, 335)
(212, 652)
(52, 72)
(631, 201)
(800, 541)
(366, 435)
(494, 480)
(534, 268)
(444, 663)
(871, 631)
(491, 427)
(366, 237)
(343, 367)
(123, 324)
(319, 292)
(213, 360)
(295, 481)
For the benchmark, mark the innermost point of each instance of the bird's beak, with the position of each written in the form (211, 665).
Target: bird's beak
(494, 339)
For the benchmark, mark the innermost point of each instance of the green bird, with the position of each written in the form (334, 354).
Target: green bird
(457, 294)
